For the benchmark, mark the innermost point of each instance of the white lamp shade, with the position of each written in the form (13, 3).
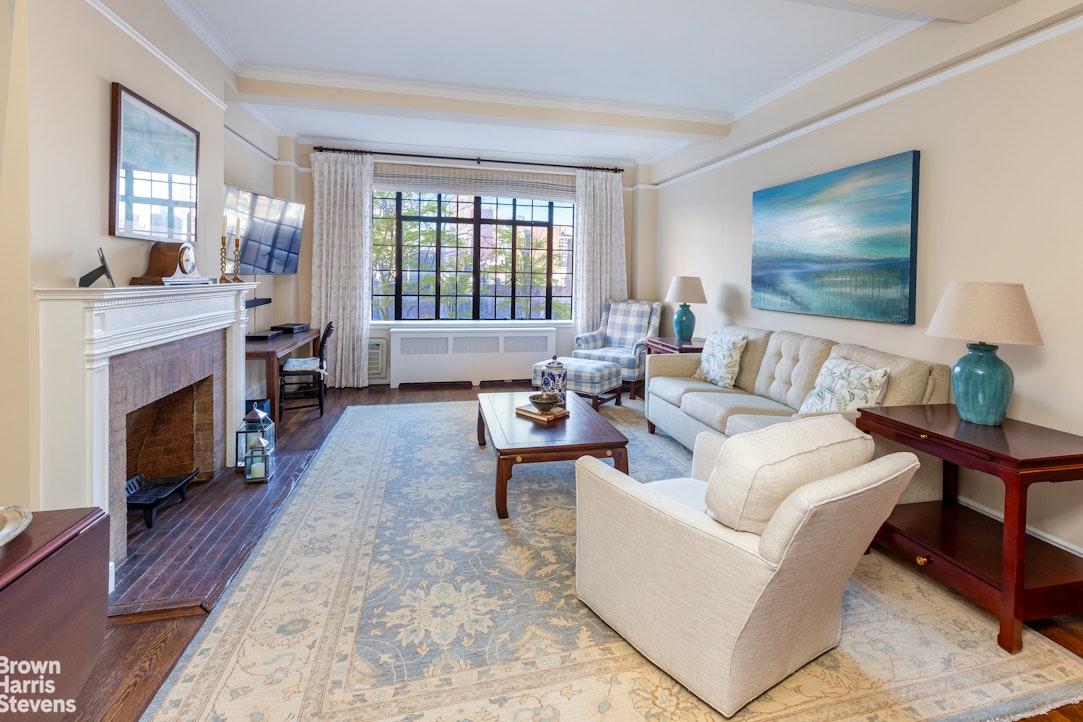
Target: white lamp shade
(992, 313)
(686, 289)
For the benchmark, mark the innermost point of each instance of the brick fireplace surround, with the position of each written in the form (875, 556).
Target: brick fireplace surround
(181, 381)
(107, 353)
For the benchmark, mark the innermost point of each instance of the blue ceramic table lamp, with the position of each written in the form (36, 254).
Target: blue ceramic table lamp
(685, 290)
(989, 313)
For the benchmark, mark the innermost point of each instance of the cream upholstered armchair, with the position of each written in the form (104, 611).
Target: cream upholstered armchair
(622, 338)
(732, 579)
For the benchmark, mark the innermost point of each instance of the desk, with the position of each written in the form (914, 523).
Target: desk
(998, 566)
(270, 352)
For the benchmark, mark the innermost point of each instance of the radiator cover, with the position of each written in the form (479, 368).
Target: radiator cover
(498, 353)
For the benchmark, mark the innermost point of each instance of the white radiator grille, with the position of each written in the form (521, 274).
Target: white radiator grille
(526, 344)
(492, 354)
(415, 345)
(477, 344)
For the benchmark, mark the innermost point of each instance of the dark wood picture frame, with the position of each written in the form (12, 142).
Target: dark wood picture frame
(154, 165)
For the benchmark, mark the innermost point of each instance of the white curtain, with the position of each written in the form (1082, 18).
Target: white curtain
(342, 262)
(599, 266)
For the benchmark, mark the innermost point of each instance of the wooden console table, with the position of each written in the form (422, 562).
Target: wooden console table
(1029, 578)
(270, 352)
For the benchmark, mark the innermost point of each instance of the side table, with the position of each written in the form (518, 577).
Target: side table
(669, 344)
(1029, 578)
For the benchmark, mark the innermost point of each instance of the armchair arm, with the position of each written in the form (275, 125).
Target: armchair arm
(682, 365)
(590, 340)
(640, 346)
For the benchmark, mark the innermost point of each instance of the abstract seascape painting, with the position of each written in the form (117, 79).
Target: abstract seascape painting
(840, 244)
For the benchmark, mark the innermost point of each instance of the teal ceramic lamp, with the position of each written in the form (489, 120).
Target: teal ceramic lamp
(989, 313)
(685, 290)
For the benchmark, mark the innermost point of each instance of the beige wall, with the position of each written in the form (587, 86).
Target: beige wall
(20, 414)
(999, 200)
(60, 58)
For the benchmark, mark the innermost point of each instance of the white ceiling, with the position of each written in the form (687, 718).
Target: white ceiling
(601, 81)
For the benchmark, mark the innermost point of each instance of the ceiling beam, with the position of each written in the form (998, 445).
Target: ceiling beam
(415, 104)
(963, 11)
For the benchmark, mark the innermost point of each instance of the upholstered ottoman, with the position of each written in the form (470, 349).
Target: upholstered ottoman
(598, 379)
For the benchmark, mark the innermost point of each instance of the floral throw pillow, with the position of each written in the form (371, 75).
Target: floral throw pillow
(845, 385)
(721, 359)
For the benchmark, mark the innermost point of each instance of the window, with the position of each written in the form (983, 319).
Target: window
(444, 256)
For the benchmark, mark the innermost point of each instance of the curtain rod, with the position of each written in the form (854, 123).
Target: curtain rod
(479, 161)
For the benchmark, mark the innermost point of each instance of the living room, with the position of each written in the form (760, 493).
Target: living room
(992, 104)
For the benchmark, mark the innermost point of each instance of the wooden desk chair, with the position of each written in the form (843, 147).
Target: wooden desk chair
(304, 379)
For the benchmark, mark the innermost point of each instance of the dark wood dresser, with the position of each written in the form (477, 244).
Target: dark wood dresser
(54, 596)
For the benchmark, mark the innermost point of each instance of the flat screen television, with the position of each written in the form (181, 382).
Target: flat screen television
(269, 229)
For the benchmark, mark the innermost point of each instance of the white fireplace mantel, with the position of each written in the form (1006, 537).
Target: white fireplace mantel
(80, 330)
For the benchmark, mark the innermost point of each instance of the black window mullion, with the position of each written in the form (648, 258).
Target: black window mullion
(439, 260)
(549, 264)
(476, 301)
(398, 256)
(514, 260)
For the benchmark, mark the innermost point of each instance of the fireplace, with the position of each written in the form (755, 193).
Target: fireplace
(172, 435)
(107, 353)
(166, 413)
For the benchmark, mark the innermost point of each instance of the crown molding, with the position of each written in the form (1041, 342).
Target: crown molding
(155, 51)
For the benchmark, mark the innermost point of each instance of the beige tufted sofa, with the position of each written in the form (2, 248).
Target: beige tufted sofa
(778, 369)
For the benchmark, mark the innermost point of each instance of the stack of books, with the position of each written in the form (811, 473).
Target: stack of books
(530, 412)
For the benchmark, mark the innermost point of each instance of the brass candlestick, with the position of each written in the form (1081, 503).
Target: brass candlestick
(237, 260)
(222, 262)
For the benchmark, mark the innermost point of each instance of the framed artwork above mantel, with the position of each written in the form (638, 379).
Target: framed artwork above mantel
(154, 166)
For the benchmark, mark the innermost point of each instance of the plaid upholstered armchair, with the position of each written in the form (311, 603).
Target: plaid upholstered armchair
(622, 338)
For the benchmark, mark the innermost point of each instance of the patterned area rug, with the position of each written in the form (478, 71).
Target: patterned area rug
(387, 589)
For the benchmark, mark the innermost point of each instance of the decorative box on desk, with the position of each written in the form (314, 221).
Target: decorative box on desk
(1029, 578)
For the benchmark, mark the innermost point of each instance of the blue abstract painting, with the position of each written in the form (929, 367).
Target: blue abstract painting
(840, 244)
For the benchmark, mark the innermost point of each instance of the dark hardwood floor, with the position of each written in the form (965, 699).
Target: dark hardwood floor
(164, 602)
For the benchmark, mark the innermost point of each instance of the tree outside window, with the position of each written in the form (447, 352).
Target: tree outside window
(442, 257)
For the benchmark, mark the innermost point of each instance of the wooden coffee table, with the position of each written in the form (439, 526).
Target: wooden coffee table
(518, 440)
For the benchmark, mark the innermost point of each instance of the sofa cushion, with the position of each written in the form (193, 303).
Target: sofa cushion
(751, 357)
(789, 367)
(721, 359)
(743, 423)
(908, 379)
(673, 388)
(756, 471)
(715, 409)
(844, 385)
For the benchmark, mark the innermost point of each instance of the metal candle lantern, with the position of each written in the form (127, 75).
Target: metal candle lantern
(259, 461)
(256, 424)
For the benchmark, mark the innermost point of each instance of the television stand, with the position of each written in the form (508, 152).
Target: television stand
(253, 302)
